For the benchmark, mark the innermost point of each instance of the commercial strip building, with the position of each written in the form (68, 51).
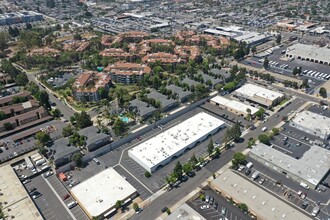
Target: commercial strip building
(236, 107)
(261, 204)
(309, 53)
(98, 195)
(162, 148)
(258, 94)
(312, 123)
(310, 169)
(15, 198)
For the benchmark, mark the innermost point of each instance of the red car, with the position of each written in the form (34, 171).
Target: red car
(303, 196)
(66, 197)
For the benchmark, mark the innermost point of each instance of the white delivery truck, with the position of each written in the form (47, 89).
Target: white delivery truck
(40, 162)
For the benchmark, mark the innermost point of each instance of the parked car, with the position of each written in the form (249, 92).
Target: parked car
(215, 205)
(47, 174)
(303, 196)
(305, 204)
(26, 181)
(96, 160)
(261, 181)
(184, 178)
(247, 172)
(191, 174)
(72, 204)
(32, 190)
(36, 194)
(139, 210)
(207, 198)
(223, 210)
(66, 197)
(205, 207)
(164, 209)
(299, 193)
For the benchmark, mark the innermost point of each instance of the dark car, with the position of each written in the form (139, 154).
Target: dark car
(247, 172)
(32, 190)
(215, 205)
(184, 178)
(191, 174)
(304, 205)
(66, 197)
(164, 209)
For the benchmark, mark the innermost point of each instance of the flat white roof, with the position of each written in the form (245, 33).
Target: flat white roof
(239, 106)
(309, 51)
(100, 193)
(313, 122)
(251, 90)
(185, 212)
(311, 167)
(260, 202)
(217, 32)
(154, 151)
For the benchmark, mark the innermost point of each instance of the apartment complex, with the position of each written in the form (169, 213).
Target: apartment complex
(127, 73)
(87, 85)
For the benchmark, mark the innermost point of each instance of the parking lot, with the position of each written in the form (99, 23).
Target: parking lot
(277, 59)
(11, 147)
(287, 190)
(216, 212)
(48, 204)
(62, 192)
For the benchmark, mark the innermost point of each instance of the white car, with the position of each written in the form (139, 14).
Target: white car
(241, 167)
(72, 204)
(205, 207)
(49, 173)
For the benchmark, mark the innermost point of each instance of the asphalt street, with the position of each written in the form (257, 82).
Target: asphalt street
(48, 204)
(65, 110)
(152, 211)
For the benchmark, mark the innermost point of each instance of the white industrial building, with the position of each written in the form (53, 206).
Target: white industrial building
(258, 94)
(312, 123)
(310, 169)
(261, 203)
(98, 195)
(236, 107)
(309, 53)
(162, 148)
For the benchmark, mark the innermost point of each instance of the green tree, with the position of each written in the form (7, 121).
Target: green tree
(77, 158)
(236, 132)
(4, 39)
(8, 126)
(56, 112)
(32, 87)
(238, 158)
(178, 170)
(43, 138)
(67, 131)
(147, 174)
(21, 79)
(266, 63)
(264, 138)
(187, 168)
(278, 39)
(254, 49)
(3, 116)
(119, 127)
(210, 147)
(193, 160)
(118, 204)
(135, 206)
(260, 113)
(243, 207)
(295, 71)
(275, 131)
(323, 92)
(43, 98)
(82, 120)
(77, 139)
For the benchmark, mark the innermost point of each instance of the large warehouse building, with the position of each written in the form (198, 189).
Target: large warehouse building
(312, 123)
(159, 150)
(258, 94)
(238, 108)
(309, 53)
(310, 169)
(261, 204)
(98, 195)
(15, 198)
